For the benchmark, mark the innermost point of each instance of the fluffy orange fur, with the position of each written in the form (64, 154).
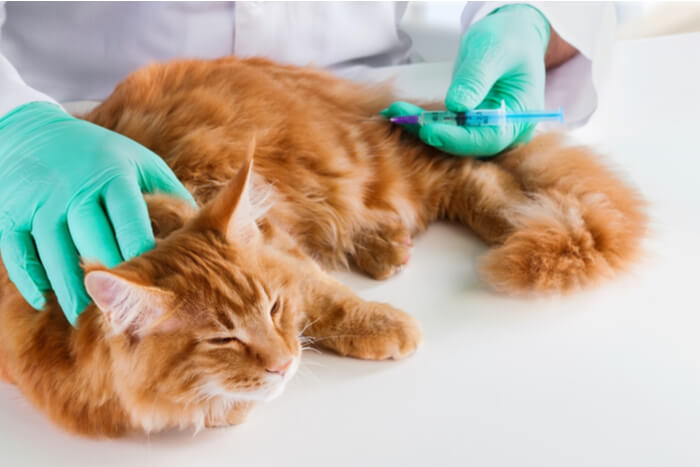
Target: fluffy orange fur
(214, 318)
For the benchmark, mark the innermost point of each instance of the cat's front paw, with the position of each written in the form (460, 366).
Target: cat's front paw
(234, 416)
(373, 331)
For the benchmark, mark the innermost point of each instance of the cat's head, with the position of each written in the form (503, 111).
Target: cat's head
(212, 312)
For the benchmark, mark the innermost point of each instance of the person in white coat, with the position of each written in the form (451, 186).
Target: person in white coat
(69, 188)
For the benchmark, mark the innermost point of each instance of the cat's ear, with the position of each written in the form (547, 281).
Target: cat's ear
(231, 212)
(129, 307)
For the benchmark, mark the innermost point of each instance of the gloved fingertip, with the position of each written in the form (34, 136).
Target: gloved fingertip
(68, 306)
(181, 192)
(73, 311)
(72, 317)
(37, 302)
(401, 108)
(135, 249)
(187, 196)
(384, 112)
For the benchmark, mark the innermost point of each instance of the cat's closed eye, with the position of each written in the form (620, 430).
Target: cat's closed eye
(224, 340)
(275, 307)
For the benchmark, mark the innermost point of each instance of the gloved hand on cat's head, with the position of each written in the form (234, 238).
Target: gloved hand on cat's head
(501, 58)
(69, 188)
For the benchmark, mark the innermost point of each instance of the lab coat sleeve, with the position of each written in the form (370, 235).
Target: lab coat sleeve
(13, 90)
(590, 28)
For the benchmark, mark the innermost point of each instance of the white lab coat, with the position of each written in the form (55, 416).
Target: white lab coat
(79, 51)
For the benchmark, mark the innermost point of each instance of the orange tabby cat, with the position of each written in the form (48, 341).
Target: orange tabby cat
(211, 320)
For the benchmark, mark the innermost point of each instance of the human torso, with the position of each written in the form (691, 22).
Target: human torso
(83, 50)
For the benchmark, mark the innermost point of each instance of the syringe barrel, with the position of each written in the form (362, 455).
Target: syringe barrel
(481, 117)
(473, 118)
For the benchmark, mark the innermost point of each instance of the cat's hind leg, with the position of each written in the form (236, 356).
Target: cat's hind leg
(558, 218)
(582, 222)
(479, 195)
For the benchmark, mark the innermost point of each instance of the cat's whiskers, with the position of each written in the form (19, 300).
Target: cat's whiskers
(306, 342)
(210, 390)
(206, 391)
(339, 336)
(306, 372)
(307, 326)
(312, 363)
(312, 349)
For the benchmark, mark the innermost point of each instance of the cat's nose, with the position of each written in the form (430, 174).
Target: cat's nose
(280, 369)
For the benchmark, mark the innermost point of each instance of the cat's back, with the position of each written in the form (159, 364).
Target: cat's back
(178, 97)
(200, 115)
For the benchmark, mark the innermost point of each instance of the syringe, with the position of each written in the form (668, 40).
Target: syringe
(480, 117)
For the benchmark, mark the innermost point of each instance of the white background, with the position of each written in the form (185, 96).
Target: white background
(606, 377)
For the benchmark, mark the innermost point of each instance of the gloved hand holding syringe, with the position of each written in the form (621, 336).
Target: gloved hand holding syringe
(501, 58)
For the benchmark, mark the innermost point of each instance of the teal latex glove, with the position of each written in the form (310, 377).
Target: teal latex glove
(70, 188)
(501, 58)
